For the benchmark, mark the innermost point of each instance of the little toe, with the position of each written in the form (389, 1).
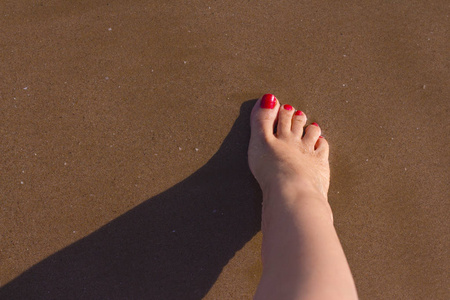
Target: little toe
(298, 122)
(321, 147)
(264, 115)
(285, 120)
(312, 133)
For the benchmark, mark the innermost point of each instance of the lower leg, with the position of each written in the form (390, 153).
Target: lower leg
(302, 256)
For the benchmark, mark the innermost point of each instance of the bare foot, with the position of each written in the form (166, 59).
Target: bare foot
(302, 256)
(287, 159)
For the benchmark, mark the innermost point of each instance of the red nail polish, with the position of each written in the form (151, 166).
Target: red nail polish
(315, 124)
(320, 137)
(298, 113)
(268, 101)
(288, 107)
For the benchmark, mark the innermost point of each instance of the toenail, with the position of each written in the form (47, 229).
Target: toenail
(298, 113)
(268, 101)
(320, 137)
(315, 124)
(287, 107)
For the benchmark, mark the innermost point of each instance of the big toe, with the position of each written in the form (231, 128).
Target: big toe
(264, 116)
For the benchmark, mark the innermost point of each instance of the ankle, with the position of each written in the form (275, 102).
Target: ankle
(293, 192)
(293, 202)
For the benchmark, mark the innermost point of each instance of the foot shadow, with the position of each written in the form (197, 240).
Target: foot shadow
(172, 246)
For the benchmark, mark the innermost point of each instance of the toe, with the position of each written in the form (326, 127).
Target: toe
(264, 116)
(285, 121)
(321, 147)
(312, 133)
(298, 122)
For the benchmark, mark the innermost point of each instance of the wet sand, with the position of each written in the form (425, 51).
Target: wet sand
(124, 127)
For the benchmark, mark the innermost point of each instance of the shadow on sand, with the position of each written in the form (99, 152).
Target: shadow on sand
(172, 246)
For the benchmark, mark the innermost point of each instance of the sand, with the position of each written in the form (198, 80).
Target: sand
(124, 127)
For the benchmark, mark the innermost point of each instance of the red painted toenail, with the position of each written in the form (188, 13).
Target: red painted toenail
(298, 113)
(287, 107)
(320, 137)
(268, 101)
(315, 124)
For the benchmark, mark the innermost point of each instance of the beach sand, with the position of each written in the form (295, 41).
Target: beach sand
(124, 128)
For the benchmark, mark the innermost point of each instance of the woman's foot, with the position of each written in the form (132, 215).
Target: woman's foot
(302, 256)
(287, 157)
(283, 159)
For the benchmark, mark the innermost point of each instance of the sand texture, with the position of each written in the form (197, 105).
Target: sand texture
(124, 131)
